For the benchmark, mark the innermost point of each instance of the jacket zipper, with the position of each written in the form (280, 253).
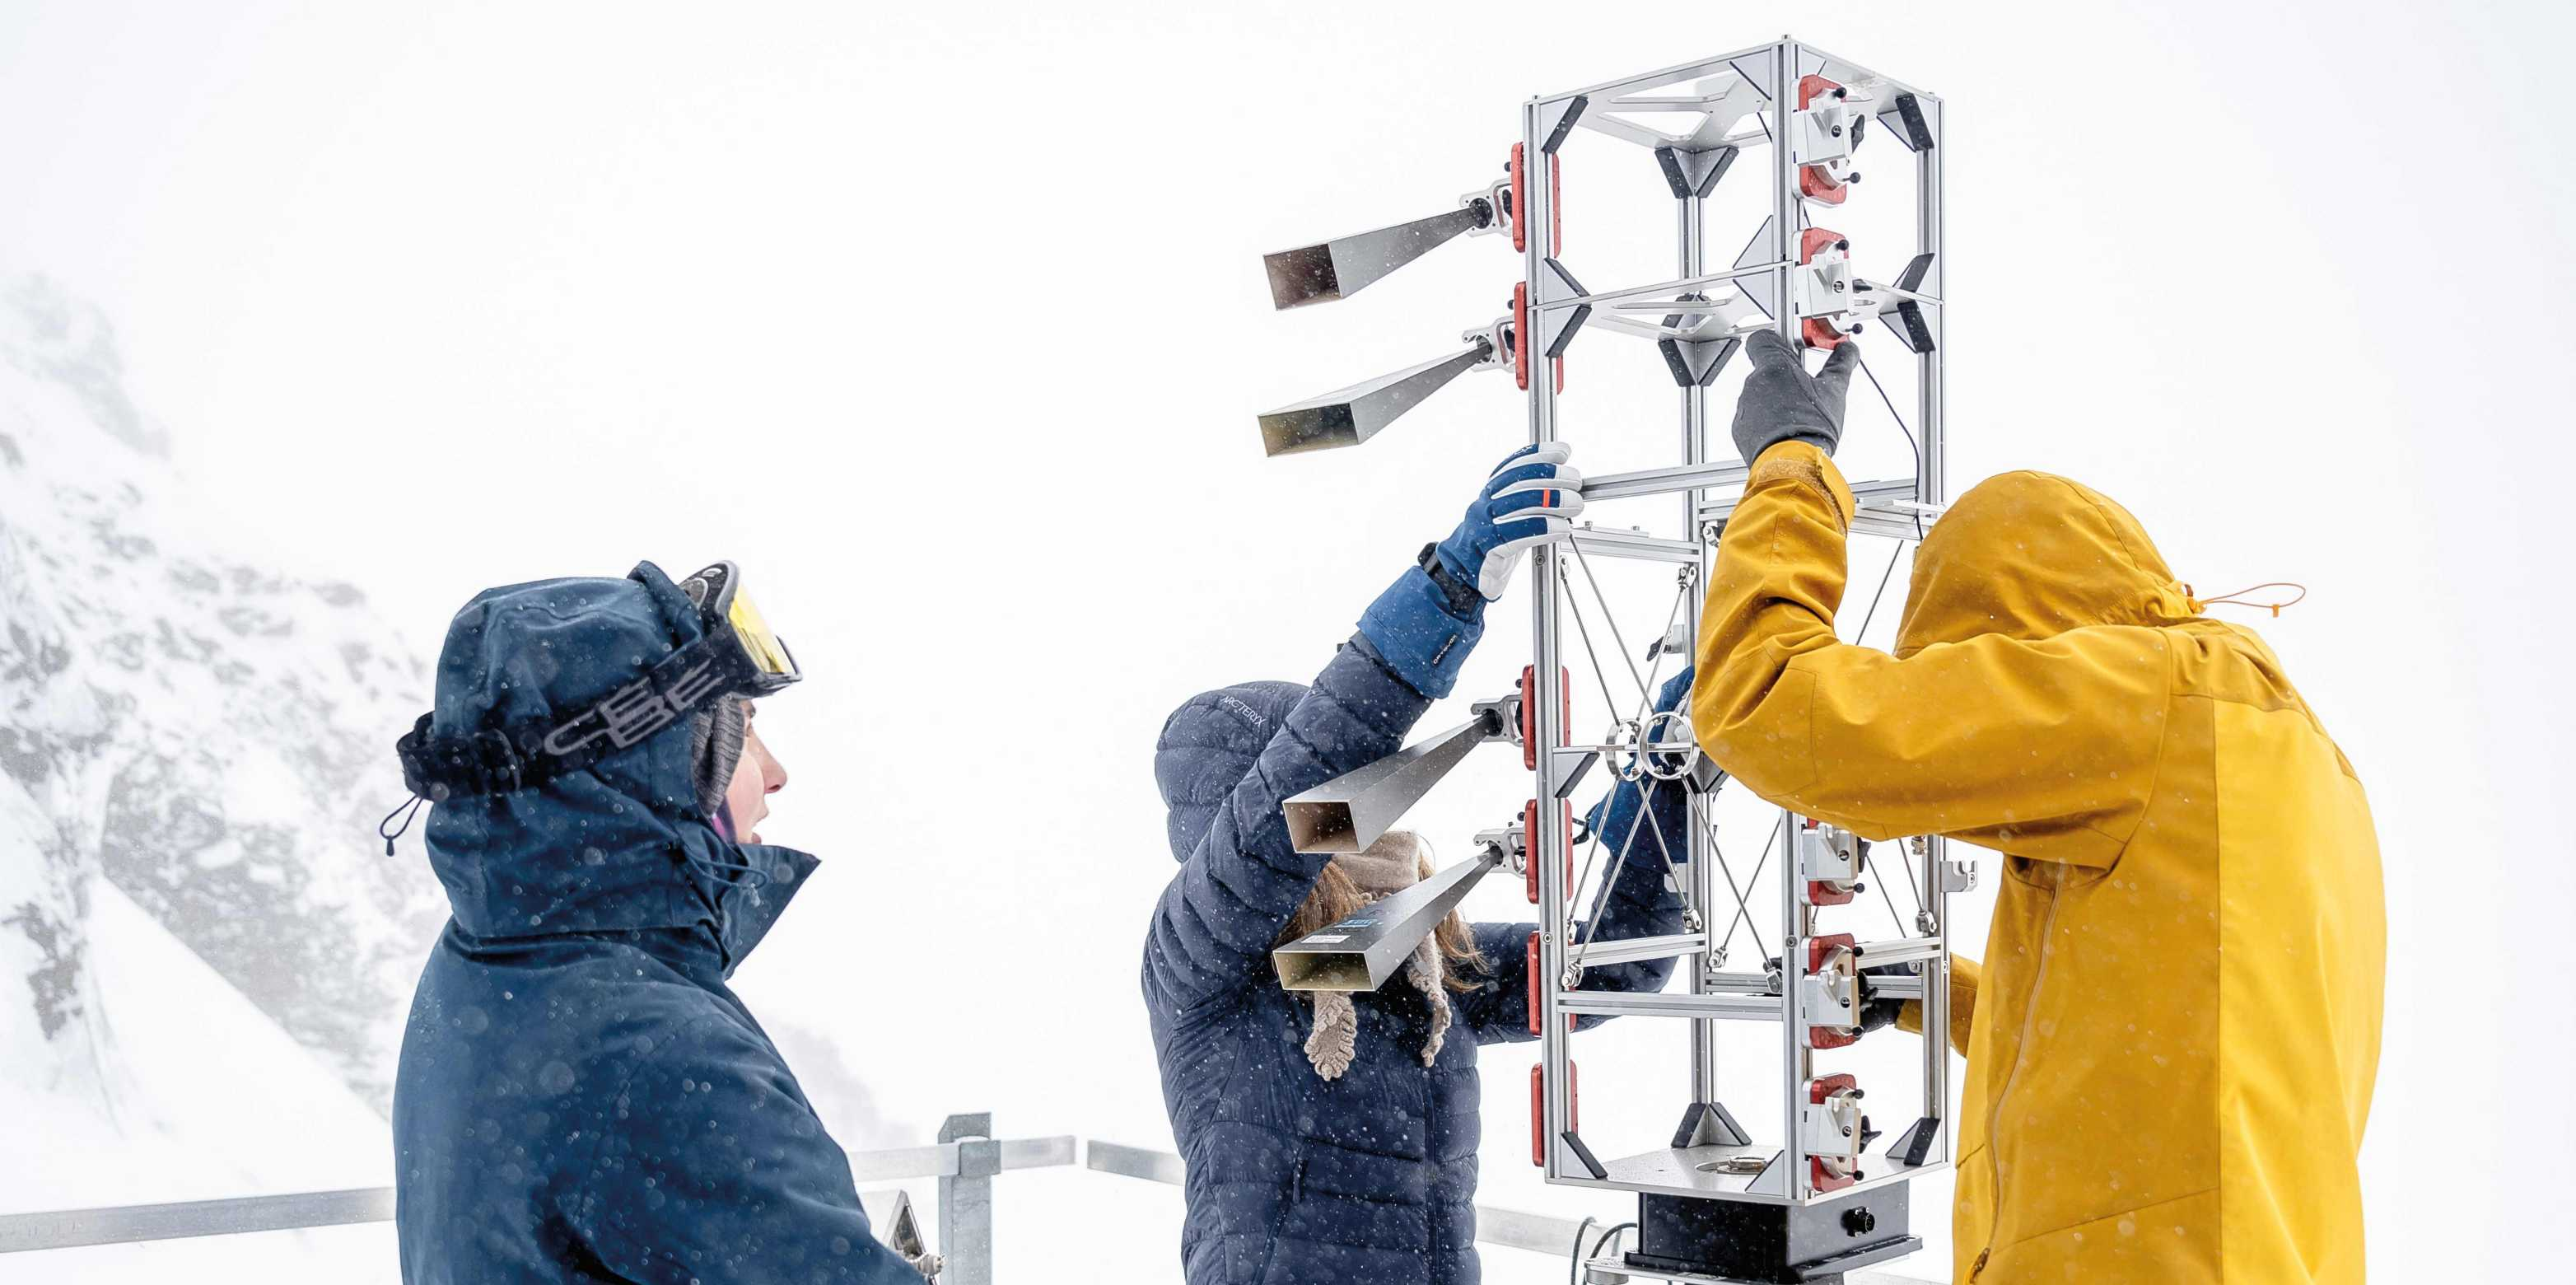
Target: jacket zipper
(1434, 1145)
(2012, 1074)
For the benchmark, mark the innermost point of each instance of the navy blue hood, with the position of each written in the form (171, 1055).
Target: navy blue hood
(610, 847)
(1206, 748)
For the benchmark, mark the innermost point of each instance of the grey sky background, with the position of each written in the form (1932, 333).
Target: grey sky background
(947, 324)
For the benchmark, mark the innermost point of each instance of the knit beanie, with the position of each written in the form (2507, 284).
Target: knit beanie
(715, 746)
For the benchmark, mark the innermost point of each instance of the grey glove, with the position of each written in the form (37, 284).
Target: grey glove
(1782, 402)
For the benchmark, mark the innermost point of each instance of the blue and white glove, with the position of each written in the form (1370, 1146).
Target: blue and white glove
(1528, 501)
(1425, 623)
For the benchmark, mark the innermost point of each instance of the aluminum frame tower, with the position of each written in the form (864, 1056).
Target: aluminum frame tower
(1716, 1203)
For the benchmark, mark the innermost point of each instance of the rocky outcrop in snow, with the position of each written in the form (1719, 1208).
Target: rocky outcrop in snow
(210, 734)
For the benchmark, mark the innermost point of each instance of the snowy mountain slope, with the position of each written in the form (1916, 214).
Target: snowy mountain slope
(205, 733)
(195, 1095)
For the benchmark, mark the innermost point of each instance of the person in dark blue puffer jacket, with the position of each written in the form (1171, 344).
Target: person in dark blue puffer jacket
(581, 1096)
(1329, 1141)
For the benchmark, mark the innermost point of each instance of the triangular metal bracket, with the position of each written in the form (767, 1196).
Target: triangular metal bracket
(1909, 324)
(1917, 270)
(1591, 1165)
(1556, 120)
(1913, 1145)
(1556, 326)
(1763, 291)
(1757, 249)
(1774, 1178)
(1755, 68)
(1574, 775)
(1555, 283)
(1904, 118)
(1707, 1124)
(1692, 174)
(1695, 363)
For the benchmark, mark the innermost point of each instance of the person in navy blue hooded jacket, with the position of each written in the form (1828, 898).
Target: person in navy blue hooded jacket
(1335, 1140)
(581, 1097)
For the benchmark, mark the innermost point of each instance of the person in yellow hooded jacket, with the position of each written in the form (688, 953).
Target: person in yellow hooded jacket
(2172, 1039)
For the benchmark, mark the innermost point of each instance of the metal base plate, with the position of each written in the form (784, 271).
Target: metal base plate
(1705, 1172)
(1708, 1170)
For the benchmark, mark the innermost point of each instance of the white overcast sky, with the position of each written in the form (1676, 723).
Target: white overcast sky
(948, 324)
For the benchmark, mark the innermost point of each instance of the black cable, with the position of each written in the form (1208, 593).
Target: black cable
(1574, 1259)
(1910, 443)
(1872, 614)
(1605, 1237)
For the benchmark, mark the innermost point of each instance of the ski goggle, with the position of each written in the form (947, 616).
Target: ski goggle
(736, 655)
(722, 604)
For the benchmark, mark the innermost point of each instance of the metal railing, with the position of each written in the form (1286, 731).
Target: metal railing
(1503, 1228)
(965, 1160)
(121, 1224)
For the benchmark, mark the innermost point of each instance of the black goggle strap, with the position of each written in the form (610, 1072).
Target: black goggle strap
(501, 760)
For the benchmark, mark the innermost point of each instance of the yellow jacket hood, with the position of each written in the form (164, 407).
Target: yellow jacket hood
(2173, 1039)
(2030, 556)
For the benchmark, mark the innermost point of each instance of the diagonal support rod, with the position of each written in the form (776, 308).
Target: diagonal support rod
(1741, 914)
(1619, 864)
(1610, 619)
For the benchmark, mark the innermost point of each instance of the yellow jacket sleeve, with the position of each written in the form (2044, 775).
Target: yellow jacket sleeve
(1965, 973)
(2041, 748)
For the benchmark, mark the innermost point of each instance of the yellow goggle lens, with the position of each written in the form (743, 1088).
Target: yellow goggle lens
(757, 641)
